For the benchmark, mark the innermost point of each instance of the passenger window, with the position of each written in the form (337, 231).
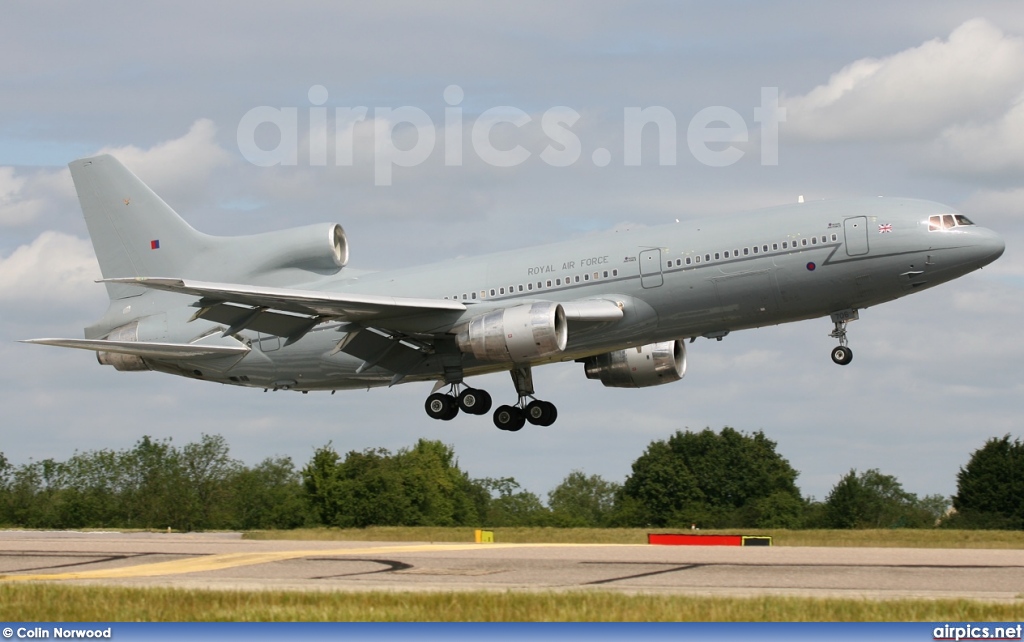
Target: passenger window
(606, 274)
(775, 246)
(615, 272)
(529, 286)
(814, 240)
(764, 248)
(473, 295)
(520, 288)
(492, 291)
(755, 249)
(586, 277)
(577, 279)
(558, 281)
(746, 251)
(688, 261)
(785, 245)
(502, 290)
(834, 238)
(707, 257)
(549, 283)
(726, 254)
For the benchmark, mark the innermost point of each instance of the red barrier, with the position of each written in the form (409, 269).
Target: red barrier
(673, 539)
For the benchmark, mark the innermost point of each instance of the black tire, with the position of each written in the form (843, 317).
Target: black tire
(842, 355)
(441, 406)
(509, 418)
(474, 402)
(541, 413)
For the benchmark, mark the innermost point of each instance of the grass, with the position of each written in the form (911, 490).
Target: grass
(889, 538)
(56, 602)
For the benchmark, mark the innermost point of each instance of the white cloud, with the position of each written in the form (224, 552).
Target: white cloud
(55, 267)
(985, 148)
(177, 164)
(916, 93)
(19, 203)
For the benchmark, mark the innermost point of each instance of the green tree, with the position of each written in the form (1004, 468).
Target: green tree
(269, 495)
(513, 506)
(712, 480)
(874, 500)
(581, 501)
(990, 488)
(418, 486)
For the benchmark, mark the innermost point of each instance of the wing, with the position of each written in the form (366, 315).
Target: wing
(291, 313)
(146, 349)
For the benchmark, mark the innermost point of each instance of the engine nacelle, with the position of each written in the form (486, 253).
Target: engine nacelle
(311, 247)
(123, 362)
(649, 365)
(516, 334)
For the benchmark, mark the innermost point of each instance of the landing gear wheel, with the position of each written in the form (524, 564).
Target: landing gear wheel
(509, 418)
(474, 402)
(541, 413)
(842, 355)
(441, 406)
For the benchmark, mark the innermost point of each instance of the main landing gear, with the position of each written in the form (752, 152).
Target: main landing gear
(469, 400)
(478, 402)
(842, 354)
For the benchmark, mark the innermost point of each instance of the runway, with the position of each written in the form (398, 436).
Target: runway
(225, 561)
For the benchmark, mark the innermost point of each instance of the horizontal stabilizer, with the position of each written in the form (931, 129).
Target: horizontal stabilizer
(334, 305)
(147, 350)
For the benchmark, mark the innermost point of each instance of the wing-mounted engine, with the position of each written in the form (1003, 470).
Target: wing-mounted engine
(320, 247)
(517, 334)
(640, 367)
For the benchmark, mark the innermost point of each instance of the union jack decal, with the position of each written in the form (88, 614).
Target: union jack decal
(883, 229)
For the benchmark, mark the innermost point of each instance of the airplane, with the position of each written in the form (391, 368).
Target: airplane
(282, 311)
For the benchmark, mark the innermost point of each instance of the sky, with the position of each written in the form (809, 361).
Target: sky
(244, 117)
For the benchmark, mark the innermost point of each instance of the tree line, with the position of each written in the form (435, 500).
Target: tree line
(706, 479)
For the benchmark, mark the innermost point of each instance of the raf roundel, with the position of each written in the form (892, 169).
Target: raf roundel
(811, 266)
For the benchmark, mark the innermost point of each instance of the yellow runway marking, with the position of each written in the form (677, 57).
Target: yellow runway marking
(219, 562)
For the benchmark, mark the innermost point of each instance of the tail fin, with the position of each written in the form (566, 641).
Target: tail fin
(134, 232)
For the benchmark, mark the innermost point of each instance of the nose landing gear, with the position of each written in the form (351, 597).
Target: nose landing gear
(842, 354)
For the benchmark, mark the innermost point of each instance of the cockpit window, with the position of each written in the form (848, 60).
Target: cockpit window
(947, 221)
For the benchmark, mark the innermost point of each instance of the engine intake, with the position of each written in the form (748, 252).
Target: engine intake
(516, 334)
(650, 365)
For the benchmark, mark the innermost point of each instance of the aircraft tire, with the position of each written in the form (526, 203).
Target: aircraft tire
(842, 355)
(509, 418)
(541, 413)
(475, 402)
(441, 406)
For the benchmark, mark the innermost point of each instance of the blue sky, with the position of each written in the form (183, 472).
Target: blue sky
(921, 99)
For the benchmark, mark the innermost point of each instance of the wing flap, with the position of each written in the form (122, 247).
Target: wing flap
(146, 349)
(334, 305)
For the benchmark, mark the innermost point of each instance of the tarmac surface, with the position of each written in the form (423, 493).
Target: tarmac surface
(226, 561)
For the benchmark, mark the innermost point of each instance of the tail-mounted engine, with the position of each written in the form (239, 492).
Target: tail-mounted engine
(311, 247)
(640, 367)
(516, 334)
(123, 362)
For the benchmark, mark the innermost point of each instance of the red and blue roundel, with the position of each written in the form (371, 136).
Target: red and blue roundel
(811, 266)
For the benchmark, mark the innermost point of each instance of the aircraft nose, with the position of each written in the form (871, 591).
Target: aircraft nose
(990, 246)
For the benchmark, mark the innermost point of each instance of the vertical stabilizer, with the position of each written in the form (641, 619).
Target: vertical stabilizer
(134, 232)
